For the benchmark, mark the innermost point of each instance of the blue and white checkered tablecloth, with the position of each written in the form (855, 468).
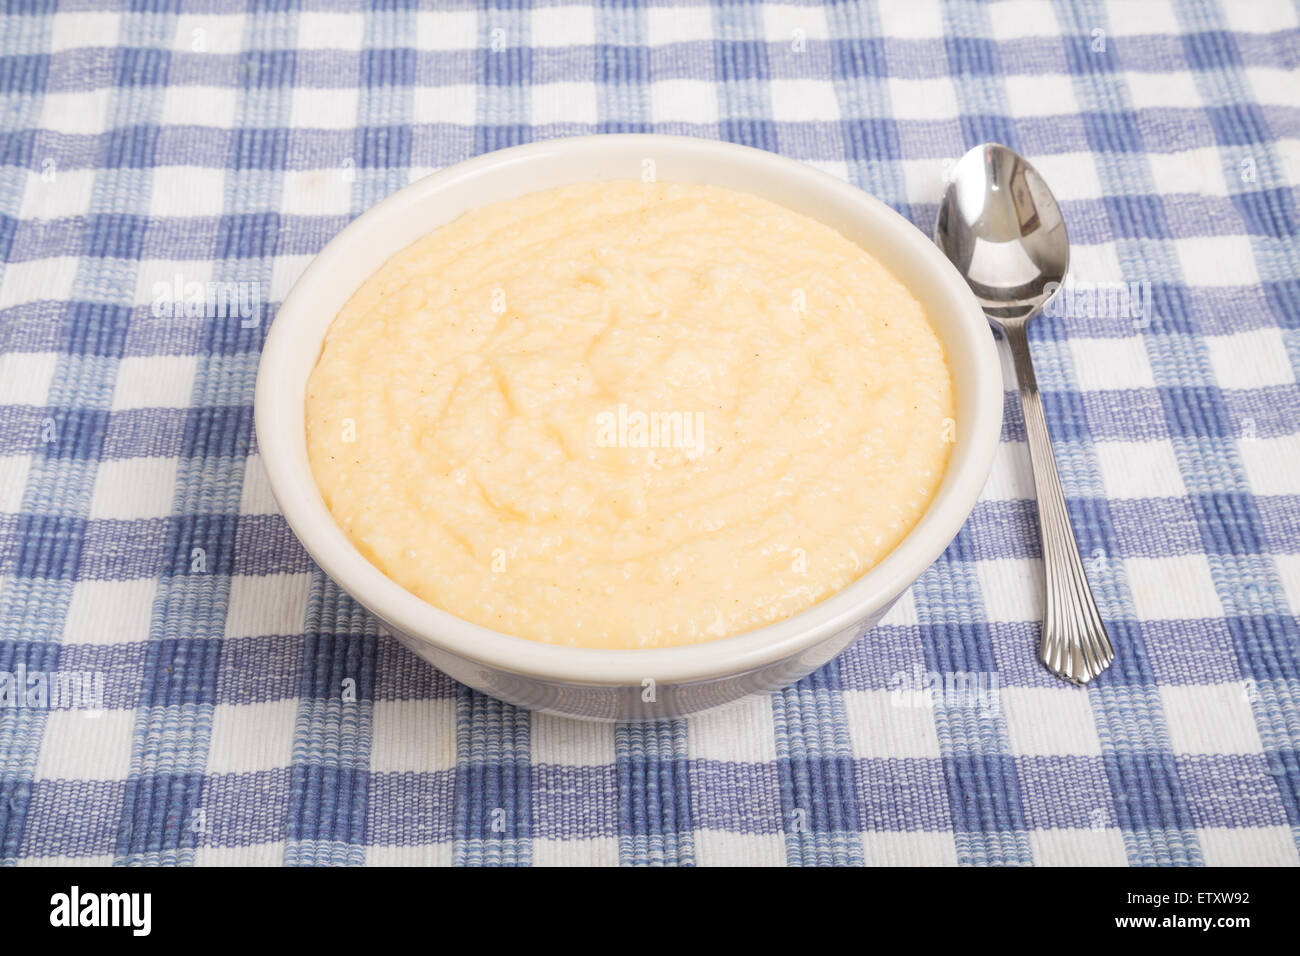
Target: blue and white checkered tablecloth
(158, 152)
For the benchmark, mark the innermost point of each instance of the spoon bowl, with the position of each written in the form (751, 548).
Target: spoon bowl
(1000, 225)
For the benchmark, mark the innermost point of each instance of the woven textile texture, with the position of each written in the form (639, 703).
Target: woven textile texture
(169, 168)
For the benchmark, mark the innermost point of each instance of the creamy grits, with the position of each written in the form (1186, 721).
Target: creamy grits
(628, 415)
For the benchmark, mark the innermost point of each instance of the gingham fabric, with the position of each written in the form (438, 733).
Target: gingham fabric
(252, 713)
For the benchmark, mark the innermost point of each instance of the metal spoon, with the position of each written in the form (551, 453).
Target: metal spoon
(1002, 229)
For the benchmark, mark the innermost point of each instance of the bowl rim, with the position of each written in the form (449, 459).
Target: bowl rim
(304, 510)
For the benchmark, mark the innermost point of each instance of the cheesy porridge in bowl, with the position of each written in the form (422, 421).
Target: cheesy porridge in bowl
(629, 415)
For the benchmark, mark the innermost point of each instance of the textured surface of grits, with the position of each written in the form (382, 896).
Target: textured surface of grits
(629, 415)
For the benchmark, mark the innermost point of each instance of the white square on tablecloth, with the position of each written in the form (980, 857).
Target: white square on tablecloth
(1272, 87)
(165, 289)
(257, 854)
(743, 732)
(1270, 463)
(77, 746)
(1178, 587)
(1071, 176)
(209, 33)
(1197, 171)
(187, 191)
(38, 280)
(200, 106)
(1210, 719)
(1010, 478)
(1260, 16)
(678, 24)
(1253, 359)
(1123, 18)
(883, 723)
(256, 497)
(928, 99)
(1217, 261)
(79, 113)
(330, 108)
(318, 192)
(267, 604)
(1012, 588)
(903, 613)
(1247, 846)
(1174, 89)
(1288, 154)
(832, 167)
(1145, 469)
(570, 743)
(564, 103)
(25, 377)
(1040, 94)
(592, 851)
(1077, 847)
(332, 31)
(1096, 263)
(83, 28)
(562, 26)
(684, 101)
(456, 104)
(66, 194)
(910, 19)
(780, 21)
(448, 30)
(1050, 721)
(724, 848)
(925, 179)
(1015, 19)
(110, 612)
(285, 271)
(250, 737)
(13, 482)
(154, 381)
(1111, 363)
(424, 854)
(803, 100)
(134, 488)
(1288, 570)
(910, 848)
(401, 738)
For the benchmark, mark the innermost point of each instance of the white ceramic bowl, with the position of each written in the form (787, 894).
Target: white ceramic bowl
(623, 684)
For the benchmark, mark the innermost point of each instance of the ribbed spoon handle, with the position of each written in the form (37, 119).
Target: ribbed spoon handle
(1075, 645)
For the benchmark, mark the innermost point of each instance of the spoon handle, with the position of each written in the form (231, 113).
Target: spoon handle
(1075, 645)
